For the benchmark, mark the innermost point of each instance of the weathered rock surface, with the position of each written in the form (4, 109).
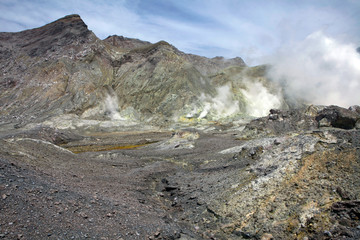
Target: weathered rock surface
(304, 119)
(124, 43)
(40, 77)
(338, 117)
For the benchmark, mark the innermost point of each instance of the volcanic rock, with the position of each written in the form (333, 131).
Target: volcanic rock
(338, 117)
(125, 43)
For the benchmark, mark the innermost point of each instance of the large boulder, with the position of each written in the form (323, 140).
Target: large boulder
(304, 119)
(337, 117)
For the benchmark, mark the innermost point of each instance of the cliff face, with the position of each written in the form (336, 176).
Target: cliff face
(63, 68)
(46, 69)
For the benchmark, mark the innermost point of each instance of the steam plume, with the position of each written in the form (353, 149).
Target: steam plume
(222, 105)
(112, 107)
(259, 100)
(320, 70)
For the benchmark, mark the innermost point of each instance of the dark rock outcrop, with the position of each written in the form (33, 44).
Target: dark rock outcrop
(304, 119)
(338, 117)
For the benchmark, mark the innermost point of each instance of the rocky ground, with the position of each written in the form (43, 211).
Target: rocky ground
(290, 175)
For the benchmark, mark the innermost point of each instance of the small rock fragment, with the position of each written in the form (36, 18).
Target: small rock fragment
(324, 123)
(267, 236)
(327, 233)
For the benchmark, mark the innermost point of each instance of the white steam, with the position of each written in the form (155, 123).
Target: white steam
(221, 106)
(320, 70)
(112, 107)
(259, 100)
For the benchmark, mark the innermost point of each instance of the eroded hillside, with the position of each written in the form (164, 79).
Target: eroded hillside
(63, 68)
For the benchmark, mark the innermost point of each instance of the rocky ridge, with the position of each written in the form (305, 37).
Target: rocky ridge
(63, 68)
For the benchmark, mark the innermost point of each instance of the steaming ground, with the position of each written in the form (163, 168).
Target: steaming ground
(321, 70)
(260, 100)
(253, 100)
(222, 105)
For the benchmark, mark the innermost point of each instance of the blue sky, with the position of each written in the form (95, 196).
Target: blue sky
(252, 30)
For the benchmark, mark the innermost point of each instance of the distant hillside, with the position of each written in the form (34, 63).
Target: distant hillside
(63, 68)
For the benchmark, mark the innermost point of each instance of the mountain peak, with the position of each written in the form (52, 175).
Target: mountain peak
(62, 32)
(69, 21)
(70, 17)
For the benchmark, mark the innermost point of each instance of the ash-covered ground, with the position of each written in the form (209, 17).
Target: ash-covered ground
(290, 175)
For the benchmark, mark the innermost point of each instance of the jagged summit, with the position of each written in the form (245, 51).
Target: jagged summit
(72, 23)
(50, 37)
(70, 19)
(125, 43)
(209, 66)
